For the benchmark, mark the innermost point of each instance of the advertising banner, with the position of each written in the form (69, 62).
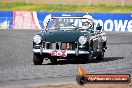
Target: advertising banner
(23, 20)
(114, 21)
(108, 21)
(6, 19)
(35, 20)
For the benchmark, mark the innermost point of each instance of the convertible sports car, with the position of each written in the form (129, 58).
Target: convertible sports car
(69, 37)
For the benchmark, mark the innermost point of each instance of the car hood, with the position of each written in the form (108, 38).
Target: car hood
(63, 36)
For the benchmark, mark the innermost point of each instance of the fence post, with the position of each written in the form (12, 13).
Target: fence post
(59, 1)
(89, 2)
(122, 2)
(26, 1)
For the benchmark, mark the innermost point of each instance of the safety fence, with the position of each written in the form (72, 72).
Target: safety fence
(34, 20)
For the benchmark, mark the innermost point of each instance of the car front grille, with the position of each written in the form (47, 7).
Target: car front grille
(59, 46)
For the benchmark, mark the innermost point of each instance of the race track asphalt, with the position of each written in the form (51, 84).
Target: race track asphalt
(17, 68)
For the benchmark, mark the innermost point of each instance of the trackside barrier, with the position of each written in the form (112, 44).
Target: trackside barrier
(34, 20)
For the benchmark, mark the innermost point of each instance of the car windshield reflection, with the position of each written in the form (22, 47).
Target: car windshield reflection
(70, 24)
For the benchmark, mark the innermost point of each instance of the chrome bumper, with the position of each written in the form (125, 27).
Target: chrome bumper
(48, 51)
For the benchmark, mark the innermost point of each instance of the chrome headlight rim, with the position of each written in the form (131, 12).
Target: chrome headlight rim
(82, 40)
(37, 39)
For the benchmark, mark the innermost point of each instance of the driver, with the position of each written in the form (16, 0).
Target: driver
(60, 23)
(86, 24)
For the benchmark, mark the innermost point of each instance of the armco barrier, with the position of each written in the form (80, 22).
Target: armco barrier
(34, 20)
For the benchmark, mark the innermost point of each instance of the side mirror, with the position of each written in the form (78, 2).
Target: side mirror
(99, 28)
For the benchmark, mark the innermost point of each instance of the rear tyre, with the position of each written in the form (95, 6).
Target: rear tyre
(90, 57)
(37, 59)
(100, 57)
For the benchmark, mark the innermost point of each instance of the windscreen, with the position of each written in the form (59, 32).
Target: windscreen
(70, 24)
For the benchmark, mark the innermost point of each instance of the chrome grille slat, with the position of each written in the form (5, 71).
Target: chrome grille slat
(59, 46)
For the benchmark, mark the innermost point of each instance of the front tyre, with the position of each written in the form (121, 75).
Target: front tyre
(53, 60)
(37, 59)
(86, 58)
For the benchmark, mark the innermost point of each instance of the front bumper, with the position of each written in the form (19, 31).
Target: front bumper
(48, 51)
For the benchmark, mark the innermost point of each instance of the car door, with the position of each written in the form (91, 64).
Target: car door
(97, 43)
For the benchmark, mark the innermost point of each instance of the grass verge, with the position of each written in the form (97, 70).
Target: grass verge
(21, 6)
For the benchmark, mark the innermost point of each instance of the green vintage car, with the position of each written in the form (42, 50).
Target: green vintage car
(69, 38)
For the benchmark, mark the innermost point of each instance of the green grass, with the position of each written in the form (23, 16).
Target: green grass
(21, 6)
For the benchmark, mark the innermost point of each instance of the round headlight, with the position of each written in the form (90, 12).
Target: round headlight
(37, 39)
(82, 40)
